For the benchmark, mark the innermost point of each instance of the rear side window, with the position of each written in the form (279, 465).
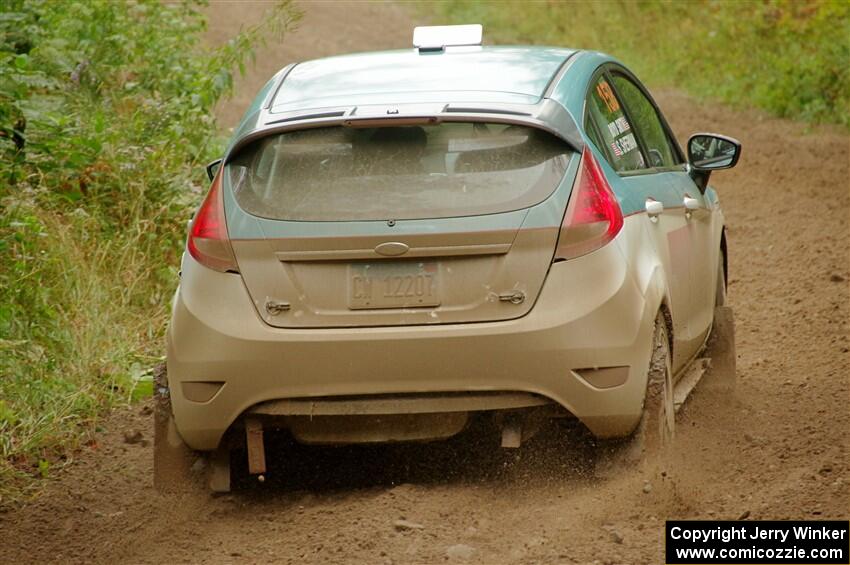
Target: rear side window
(613, 132)
(407, 172)
(659, 151)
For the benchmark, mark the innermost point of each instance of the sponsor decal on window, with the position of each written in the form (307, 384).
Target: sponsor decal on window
(623, 145)
(618, 126)
(603, 89)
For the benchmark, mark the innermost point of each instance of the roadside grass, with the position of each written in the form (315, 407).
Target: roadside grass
(788, 57)
(105, 123)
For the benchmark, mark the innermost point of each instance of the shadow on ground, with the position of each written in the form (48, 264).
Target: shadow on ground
(562, 450)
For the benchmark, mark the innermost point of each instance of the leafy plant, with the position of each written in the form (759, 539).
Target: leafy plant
(106, 117)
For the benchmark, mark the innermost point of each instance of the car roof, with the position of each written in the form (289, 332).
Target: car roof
(497, 74)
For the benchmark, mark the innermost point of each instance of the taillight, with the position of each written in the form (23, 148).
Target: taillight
(208, 241)
(593, 215)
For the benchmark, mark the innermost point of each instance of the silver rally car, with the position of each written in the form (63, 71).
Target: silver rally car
(395, 241)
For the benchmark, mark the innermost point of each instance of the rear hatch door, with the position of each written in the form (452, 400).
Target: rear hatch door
(347, 227)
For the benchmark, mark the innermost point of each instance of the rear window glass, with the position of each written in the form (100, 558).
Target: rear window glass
(406, 172)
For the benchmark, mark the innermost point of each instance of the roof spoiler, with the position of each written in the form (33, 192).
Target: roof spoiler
(437, 38)
(547, 115)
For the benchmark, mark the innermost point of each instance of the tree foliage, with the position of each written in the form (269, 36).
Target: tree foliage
(790, 57)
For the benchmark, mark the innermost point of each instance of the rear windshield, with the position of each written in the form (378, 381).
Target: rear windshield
(407, 172)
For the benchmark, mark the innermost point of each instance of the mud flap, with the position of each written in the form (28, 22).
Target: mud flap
(715, 370)
(219, 479)
(172, 458)
(721, 375)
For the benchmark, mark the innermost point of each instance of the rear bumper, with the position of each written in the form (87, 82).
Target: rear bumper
(590, 313)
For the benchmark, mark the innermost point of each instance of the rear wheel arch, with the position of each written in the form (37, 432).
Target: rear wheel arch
(657, 296)
(658, 421)
(647, 440)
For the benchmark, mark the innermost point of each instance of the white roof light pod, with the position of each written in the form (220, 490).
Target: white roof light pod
(436, 38)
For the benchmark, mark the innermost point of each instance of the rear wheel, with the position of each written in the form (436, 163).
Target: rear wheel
(720, 293)
(657, 426)
(654, 433)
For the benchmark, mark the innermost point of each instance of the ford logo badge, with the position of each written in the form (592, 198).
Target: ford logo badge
(392, 248)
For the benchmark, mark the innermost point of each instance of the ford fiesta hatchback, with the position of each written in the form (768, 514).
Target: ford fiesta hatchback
(394, 242)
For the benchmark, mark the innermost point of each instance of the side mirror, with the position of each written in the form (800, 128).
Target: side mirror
(711, 152)
(212, 168)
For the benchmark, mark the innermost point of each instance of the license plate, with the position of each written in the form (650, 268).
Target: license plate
(403, 284)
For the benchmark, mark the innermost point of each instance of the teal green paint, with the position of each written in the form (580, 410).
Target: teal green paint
(510, 75)
(572, 88)
(260, 97)
(631, 190)
(516, 75)
(664, 187)
(684, 184)
(250, 120)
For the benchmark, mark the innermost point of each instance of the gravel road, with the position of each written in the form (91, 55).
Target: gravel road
(779, 450)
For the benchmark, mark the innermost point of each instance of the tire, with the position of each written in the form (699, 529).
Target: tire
(720, 293)
(658, 422)
(173, 460)
(654, 433)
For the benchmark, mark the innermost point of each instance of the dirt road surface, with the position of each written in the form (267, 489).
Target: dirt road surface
(778, 450)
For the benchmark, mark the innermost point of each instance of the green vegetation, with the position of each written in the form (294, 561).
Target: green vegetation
(105, 122)
(790, 57)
